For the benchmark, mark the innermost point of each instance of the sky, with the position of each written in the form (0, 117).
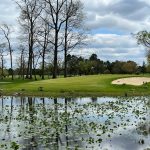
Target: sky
(110, 24)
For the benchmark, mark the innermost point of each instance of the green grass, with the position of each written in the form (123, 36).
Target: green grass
(93, 85)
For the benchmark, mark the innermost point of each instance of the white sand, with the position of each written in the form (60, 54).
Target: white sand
(132, 81)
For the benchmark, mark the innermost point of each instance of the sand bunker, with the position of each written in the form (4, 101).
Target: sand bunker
(132, 81)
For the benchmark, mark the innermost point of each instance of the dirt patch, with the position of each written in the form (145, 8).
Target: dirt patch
(132, 81)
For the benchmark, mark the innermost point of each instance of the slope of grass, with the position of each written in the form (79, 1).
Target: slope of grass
(94, 85)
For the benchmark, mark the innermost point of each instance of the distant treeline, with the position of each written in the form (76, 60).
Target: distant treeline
(93, 65)
(81, 66)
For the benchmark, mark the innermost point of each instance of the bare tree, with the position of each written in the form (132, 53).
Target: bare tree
(6, 32)
(36, 58)
(43, 38)
(21, 63)
(53, 24)
(30, 12)
(65, 17)
(73, 31)
(55, 11)
(2, 54)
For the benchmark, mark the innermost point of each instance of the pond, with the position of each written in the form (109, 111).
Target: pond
(107, 123)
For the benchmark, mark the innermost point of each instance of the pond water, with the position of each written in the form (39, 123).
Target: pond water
(30, 123)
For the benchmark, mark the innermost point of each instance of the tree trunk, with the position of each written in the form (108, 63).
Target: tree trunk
(11, 61)
(56, 46)
(2, 68)
(66, 44)
(55, 59)
(12, 75)
(43, 56)
(27, 73)
(65, 50)
(43, 62)
(30, 65)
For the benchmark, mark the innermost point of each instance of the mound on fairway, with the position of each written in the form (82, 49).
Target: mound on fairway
(4, 82)
(132, 81)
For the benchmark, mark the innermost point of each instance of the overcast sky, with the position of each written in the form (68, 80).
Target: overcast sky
(110, 24)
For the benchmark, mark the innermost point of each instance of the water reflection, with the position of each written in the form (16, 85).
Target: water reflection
(31, 123)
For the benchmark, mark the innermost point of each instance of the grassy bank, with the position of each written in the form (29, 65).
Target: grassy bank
(94, 85)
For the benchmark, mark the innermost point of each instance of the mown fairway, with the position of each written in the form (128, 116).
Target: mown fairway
(94, 85)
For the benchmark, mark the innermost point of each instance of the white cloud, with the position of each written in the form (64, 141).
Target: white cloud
(114, 22)
(113, 47)
(8, 12)
(125, 15)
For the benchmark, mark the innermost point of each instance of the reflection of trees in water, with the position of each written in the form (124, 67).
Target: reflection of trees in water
(63, 124)
(94, 99)
(57, 123)
(66, 126)
(2, 99)
(9, 118)
(144, 128)
(52, 125)
(43, 100)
